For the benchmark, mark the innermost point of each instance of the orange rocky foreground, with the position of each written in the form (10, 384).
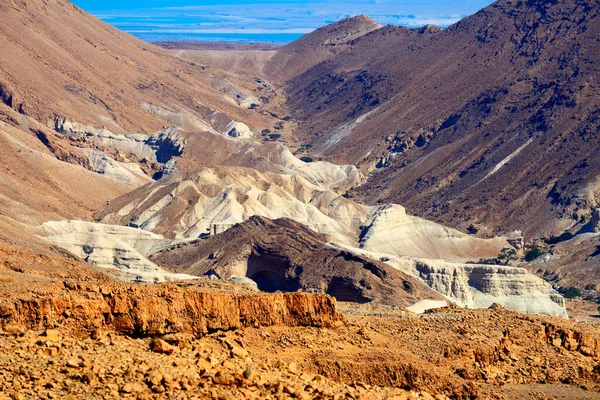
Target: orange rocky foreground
(157, 310)
(84, 340)
(207, 339)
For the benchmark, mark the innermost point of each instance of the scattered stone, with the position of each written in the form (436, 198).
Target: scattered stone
(222, 378)
(52, 335)
(237, 351)
(248, 373)
(14, 329)
(160, 346)
(293, 367)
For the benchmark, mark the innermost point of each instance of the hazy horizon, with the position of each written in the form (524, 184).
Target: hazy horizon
(266, 21)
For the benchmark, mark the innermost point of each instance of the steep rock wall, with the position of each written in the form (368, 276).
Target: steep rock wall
(156, 310)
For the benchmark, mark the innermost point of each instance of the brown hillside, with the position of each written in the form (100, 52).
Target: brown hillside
(316, 47)
(285, 255)
(440, 112)
(59, 61)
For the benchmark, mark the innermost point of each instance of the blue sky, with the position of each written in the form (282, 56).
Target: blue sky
(265, 20)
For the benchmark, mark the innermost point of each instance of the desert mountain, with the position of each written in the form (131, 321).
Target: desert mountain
(121, 162)
(492, 121)
(182, 150)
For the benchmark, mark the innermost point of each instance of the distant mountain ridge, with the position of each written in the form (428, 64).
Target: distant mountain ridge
(316, 47)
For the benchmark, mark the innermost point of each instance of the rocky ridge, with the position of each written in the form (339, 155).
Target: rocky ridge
(285, 255)
(149, 311)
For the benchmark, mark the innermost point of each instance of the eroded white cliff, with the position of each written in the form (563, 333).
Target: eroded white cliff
(390, 230)
(114, 247)
(479, 286)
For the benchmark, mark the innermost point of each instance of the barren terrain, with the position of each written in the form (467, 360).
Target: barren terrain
(360, 214)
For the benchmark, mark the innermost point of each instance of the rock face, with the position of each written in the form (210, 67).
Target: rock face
(390, 230)
(284, 255)
(159, 310)
(516, 240)
(480, 286)
(159, 147)
(595, 221)
(130, 173)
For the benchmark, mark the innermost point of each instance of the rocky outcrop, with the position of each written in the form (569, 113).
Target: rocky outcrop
(161, 146)
(595, 221)
(113, 247)
(166, 144)
(238, 130)
(516, 240)
(284, 255)
(480, 286)
(158, 310)
(130, 173)
(571, 339)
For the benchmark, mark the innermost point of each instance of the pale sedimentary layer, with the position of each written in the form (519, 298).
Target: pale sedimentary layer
(213, 200)
(480, 286)
(114, 247)
(390, 230)
(122, 172)
(187, 206)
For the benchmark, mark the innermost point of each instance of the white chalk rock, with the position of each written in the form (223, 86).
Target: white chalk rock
(109, 246)
(238, 130)
(391, 231)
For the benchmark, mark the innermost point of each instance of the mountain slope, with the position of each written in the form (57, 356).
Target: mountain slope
(59, 61)
(316, 47)
(80, 106)
(490, 122)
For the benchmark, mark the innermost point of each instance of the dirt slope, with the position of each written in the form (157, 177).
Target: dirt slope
(316, 47)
